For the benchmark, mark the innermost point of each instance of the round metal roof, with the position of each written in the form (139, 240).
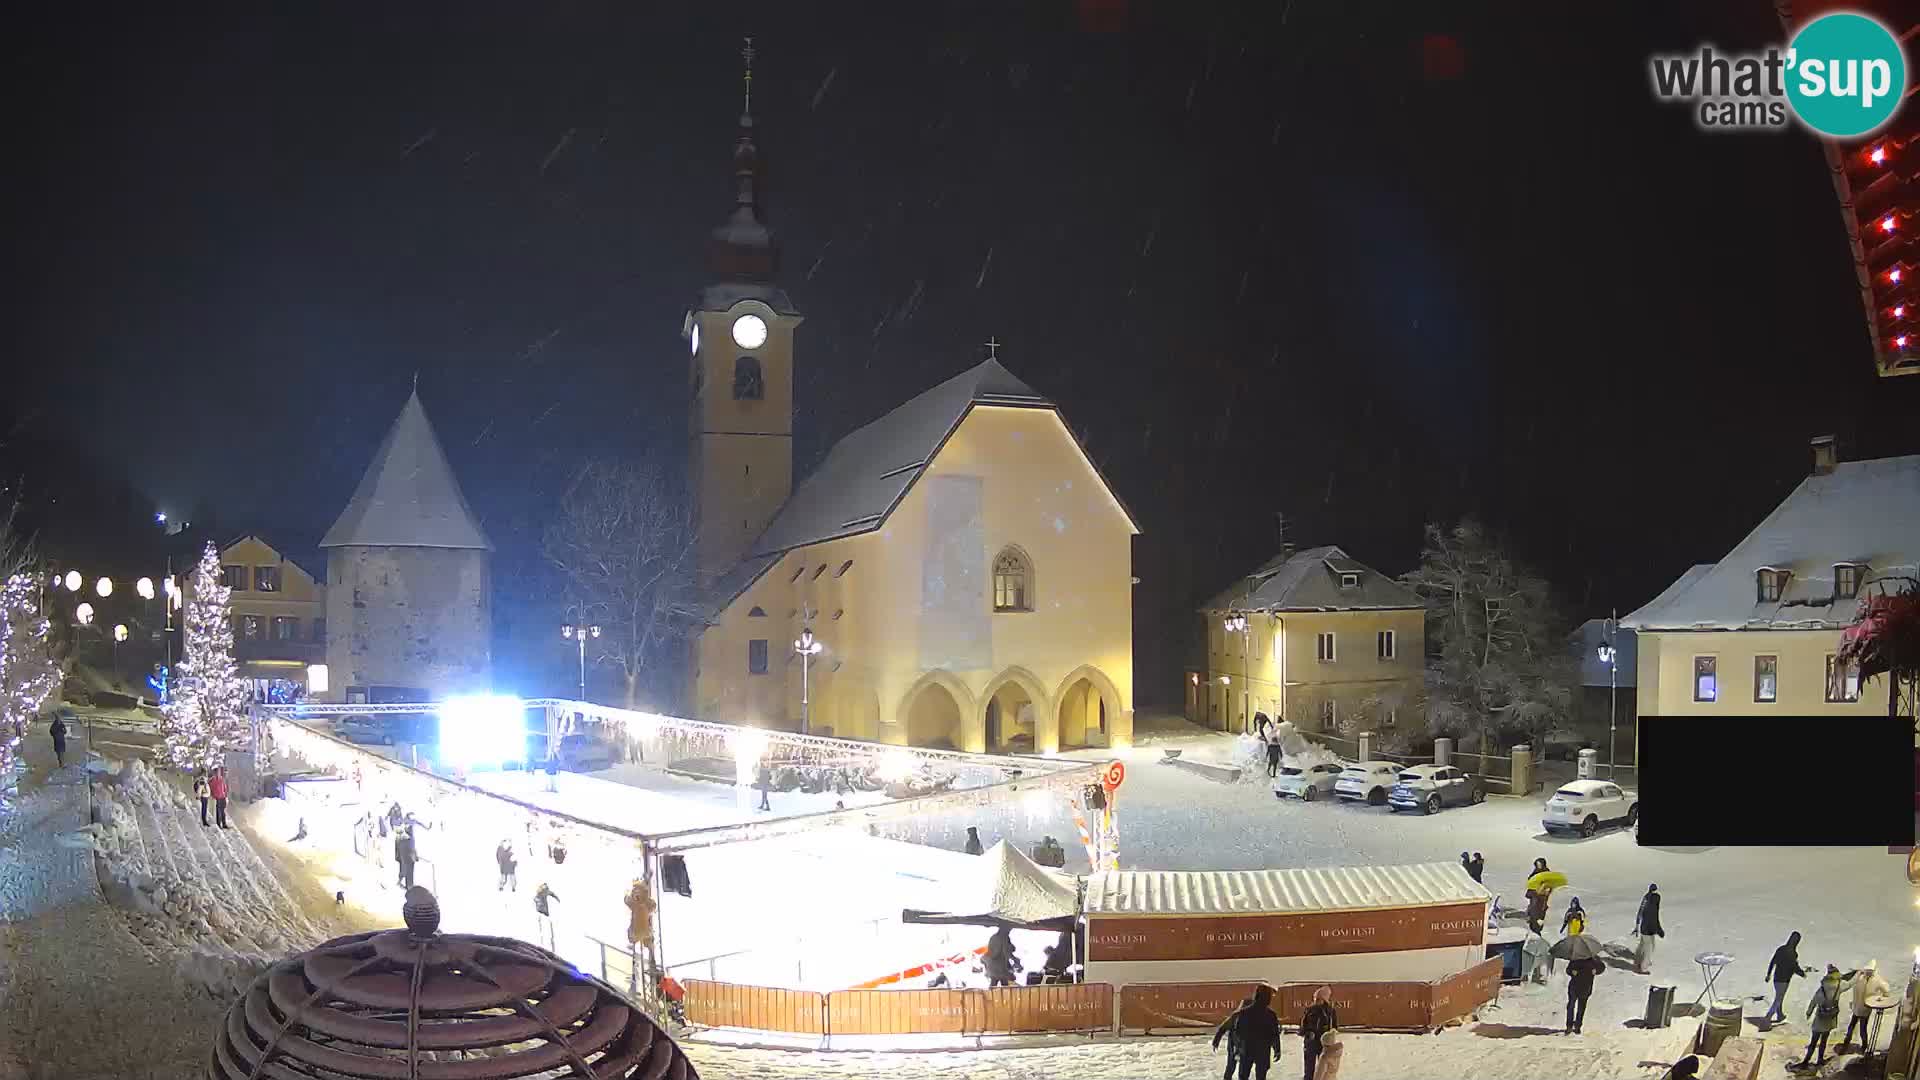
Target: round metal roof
(416, 1004)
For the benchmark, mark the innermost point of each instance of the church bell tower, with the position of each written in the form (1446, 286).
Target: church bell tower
(740, 335)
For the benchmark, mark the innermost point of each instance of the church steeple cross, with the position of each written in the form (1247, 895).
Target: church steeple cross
(746, 55)
(993, 347)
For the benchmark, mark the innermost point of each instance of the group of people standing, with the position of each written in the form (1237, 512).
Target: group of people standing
(1585, 965)
(212, 787)
(1252, 1033)
(1823, 1008)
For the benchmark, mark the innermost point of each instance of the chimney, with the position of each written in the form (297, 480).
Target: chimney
(1826, 454)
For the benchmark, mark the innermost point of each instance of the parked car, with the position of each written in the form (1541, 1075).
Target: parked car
(1583, 806)
(578, 753)
(1308, 782)
(372, 730)
(1429, 787)
(1366, 780)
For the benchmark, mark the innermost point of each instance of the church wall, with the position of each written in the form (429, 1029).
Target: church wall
(409, 617)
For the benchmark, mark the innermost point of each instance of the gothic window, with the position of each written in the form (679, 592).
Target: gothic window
(757, 656)
(747, 384)
(1012, 580)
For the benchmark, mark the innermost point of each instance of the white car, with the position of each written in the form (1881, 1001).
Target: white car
(1367, 781)
(1309, 782)
(1583, 806)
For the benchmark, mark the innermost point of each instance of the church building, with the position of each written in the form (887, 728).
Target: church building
(956, 573)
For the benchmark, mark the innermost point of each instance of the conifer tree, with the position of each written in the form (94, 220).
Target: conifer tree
(206, 715)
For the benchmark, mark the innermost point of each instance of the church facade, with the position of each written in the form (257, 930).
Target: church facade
(960, 566)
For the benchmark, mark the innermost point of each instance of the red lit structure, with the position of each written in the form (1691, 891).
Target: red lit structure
(1878, 181)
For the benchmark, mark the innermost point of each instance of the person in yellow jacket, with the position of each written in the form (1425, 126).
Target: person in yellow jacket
(1576, 919)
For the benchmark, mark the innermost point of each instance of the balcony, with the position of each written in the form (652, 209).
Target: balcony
(304, 652)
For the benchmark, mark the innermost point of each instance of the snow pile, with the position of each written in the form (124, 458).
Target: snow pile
(141, 784)
(219, 972)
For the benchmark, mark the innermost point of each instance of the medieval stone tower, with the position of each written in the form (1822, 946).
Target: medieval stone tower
(408, 577)
(740, 332)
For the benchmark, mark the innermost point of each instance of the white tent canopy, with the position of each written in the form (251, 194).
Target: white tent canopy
(1006, 886)
(1230, 892)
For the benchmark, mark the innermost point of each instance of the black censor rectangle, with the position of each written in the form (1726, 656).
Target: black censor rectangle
(1794, 781)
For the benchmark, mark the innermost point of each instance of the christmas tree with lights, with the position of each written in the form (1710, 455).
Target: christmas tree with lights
(206, 715)
(28, 673)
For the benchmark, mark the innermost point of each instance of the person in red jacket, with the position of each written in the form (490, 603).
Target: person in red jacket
(217, 786)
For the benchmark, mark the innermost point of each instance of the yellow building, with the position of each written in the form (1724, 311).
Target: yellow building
(1314, 637)
(278, 611)
(1757, 632)
(962, 566)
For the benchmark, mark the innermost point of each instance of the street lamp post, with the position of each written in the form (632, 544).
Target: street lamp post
(808, 648)
(579, 635)
(1610, 656)
(1237, 624)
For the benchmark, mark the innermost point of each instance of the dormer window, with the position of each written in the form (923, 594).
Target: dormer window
(1349, 581)
(1846, 580)
(1772, 584)
(757, 613)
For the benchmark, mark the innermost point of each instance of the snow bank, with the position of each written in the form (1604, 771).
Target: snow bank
(220, 972)
(1296, 750)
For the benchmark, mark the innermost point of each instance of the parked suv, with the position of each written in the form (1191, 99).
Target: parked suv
(1366, 781)
(1583, 806)
(1427, 788)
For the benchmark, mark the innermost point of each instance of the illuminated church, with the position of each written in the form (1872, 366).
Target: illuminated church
(962, 568)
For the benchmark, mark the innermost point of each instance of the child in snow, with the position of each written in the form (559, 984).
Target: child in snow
(1331, 1048)
(201, 792)
(1575, 921)
(543, 913)
(508, 865)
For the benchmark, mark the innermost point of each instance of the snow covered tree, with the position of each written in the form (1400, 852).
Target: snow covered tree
(1496, 659)
(28, 674)
(206, 715)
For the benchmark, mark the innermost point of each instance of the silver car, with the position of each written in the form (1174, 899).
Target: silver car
(1307, 782)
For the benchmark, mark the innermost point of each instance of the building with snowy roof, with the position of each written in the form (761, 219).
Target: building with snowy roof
(962, 566)
(1759, 630)
(408, 589)
(1315, 637)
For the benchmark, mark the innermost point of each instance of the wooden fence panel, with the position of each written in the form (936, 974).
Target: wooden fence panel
(765, 1008)
(1309, 933)
(1458, 995)
(1065, 1007)
(1368, 1006)
(1179, 1006)
(905, 1012)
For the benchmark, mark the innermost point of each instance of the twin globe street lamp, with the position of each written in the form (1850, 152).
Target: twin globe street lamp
(580, 634)
(807, 648)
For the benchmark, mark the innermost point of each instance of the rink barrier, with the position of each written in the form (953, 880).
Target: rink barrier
(1172, 1008)
(762, 1008)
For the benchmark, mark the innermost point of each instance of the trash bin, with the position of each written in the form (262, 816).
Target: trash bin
(1587, 762)
(1659, 1006)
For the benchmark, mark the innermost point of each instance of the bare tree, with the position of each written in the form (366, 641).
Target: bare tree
(1496, 661)
(624, 541)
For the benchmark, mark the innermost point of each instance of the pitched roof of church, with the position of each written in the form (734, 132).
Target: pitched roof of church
(867, 473)
(870, 471)
(1309, 580)
(409, 497)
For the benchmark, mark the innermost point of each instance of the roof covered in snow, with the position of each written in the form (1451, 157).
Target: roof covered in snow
(1009, 887)
(408, 497)
(1237, 892)
(1863, 512)
(1309, 580)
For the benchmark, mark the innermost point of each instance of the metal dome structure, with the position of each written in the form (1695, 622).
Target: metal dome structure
(416, 1004)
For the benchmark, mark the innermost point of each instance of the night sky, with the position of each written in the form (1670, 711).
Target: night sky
(1364, 265)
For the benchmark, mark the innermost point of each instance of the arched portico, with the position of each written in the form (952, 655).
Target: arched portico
(1017, 714)
(1088, 707)
(937, 710)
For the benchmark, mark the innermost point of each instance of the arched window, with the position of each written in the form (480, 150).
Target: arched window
(747, 384)
(1012, 580)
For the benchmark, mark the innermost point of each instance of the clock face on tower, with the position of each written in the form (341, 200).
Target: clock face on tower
(693, 339)
(749, 332)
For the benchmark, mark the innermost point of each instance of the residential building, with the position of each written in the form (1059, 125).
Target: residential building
(1758, 631)
(962, 565)
(279, 615)
(1315, 637)
(409, 606)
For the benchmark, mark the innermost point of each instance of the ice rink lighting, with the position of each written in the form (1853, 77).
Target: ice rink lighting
(144, 587)
(73, 581)
(748, 746)
(482, 729)
(896, 765)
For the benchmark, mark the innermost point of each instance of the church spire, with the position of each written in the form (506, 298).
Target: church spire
(743, 248)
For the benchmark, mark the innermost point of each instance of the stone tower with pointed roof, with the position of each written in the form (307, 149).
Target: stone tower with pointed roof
(408, 576)
(740, 334)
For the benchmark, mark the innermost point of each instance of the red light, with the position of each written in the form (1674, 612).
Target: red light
(1878, 156)
(1900, 342)
(1886, 223)
(1894, 276)
(1900, 311)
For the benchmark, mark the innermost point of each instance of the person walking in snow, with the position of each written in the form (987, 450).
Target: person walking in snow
(1319, 1019)
(543, 913)
(1580, 975)
(1781, 970)
(1478, 867)
(1537, 901)
(509, 866)
(1001, 964)
(765, 783)
(1575, 921)
(1870, 984)
(1258, 1029)
(217, 787)
(405, 854)
(200, 792)
(1824, 1009)
(1539, 957)
(974, 846)
(1646, 924)
(58, 729)
(1271, 736)
(1225, 1031)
